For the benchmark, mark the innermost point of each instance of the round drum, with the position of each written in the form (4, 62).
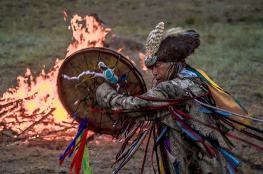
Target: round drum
(78, 79)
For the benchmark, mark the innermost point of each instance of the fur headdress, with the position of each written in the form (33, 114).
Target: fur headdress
(173, 45)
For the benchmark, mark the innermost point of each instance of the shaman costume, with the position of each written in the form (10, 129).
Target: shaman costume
(174, 46)
(181, 147)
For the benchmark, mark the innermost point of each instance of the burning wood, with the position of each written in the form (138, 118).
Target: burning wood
(37, 122)
(24, 109)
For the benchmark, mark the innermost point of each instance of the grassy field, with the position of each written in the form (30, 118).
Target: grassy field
(33, 34)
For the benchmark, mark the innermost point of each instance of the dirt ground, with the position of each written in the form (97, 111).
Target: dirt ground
(42, 157)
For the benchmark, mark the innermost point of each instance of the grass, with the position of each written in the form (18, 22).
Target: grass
(25, 45)
(230, 51)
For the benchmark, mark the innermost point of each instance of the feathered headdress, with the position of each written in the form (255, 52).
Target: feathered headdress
(173, 45)
(152, 44)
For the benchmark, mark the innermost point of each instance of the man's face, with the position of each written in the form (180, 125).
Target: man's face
(159, 71)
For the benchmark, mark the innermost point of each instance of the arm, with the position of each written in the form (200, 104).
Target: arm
(108, 98)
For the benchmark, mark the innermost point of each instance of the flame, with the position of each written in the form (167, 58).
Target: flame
(131, 60)
(142, 57)
(33, 99)
(91, 34)
(65, 15)
(33, 106)
(121, 49)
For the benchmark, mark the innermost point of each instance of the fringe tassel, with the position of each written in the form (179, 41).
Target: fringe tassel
(230, 159)
(192, 133)
(134, 146)
(85, 161)
(78, 144)
(145, 152)
(78, 157)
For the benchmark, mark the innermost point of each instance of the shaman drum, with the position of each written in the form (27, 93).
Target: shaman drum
(78, 79)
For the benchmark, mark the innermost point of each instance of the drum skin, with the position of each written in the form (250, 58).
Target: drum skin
(77, 85)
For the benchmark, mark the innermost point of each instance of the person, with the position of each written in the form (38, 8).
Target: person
(187, 145)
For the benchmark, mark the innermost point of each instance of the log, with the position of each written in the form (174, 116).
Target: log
(37, 122)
